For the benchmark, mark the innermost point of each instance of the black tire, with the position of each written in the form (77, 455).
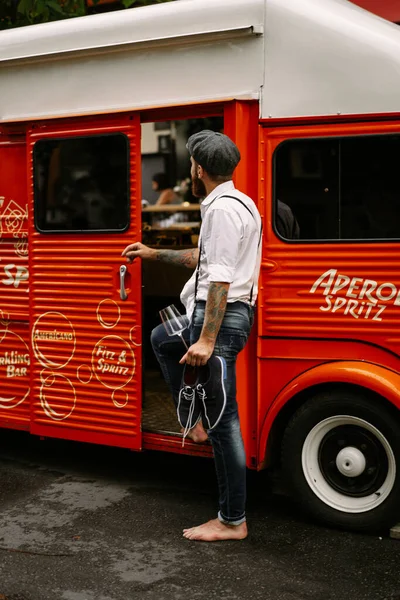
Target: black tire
(341, 460)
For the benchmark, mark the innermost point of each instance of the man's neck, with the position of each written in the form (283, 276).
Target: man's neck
(212, 185)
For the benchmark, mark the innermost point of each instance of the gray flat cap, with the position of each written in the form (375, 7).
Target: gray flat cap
(214, 151)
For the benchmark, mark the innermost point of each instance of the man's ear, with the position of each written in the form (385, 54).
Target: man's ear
(200, 172)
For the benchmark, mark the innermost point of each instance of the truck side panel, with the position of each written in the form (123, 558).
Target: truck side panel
(14, 285)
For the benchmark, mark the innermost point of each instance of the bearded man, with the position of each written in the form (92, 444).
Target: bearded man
(219, 299)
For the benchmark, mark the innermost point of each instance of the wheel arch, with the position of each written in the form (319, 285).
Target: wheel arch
(379, 383)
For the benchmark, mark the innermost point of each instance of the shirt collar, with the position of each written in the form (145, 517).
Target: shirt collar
(221, 189)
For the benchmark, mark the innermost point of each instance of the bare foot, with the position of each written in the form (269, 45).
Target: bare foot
(197, 434)
(215, 531)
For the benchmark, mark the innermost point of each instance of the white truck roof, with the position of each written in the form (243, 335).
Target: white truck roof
(298, 57)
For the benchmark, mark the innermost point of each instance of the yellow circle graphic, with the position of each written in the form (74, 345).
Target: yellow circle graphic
(45, 377)
(5, 321)
(113, 362)
(57, 396)
(120, 398)
(132, 335)
(53, 340)
(4, 318)
(108, 313)
(21, 247)
(14, 369)
(84, 374)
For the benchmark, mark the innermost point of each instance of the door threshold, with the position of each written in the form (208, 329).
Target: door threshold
(172, 442)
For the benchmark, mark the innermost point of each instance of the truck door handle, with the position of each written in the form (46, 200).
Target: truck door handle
(122, 273)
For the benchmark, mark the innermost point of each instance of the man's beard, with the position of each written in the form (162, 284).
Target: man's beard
(198, 188)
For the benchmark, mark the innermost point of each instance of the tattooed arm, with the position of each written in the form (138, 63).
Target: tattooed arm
(182, 258)
(215, 310)
(199, 353)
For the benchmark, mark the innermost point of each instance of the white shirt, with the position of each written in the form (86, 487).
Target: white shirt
(230, 247)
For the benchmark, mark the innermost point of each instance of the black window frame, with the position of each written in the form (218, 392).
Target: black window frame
(325, 240)
(81, 231)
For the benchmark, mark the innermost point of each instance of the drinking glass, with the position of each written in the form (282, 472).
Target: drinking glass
(174, 322)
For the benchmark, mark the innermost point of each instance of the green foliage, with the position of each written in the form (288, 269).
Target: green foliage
(16, 13)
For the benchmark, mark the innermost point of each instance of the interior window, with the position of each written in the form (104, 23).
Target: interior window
(338, 189)
(82, 184)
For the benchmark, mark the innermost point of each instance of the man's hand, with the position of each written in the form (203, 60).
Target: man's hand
(139, 250)
(198, 354)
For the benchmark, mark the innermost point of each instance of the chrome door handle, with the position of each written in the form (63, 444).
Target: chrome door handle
(122, 273)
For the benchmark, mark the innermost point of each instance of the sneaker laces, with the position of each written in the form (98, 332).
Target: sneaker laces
(203, 397)
(189, 395)
(202, 392)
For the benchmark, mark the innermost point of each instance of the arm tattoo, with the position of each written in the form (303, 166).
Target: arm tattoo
(181, 258)
(215, 309)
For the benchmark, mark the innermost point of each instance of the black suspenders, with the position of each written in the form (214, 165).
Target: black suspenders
(200, 249)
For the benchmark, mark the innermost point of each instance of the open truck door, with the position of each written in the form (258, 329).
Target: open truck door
(85, 307)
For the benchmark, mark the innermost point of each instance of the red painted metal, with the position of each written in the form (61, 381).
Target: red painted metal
(14, 297)
(388, 9)
(296, 336)
(14, 285)
(179, 112)
(72, 325)
(74, 293)
(171, 443)
(362, 119)
(367, 375)
(241, 125)
(86, 342)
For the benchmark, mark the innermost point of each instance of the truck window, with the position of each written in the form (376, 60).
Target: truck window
(338, 189)
(82, 184)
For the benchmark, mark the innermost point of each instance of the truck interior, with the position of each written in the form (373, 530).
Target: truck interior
(173, 225)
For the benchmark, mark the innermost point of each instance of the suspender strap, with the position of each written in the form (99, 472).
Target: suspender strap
(201, 247)
(261, 230)
(247, 208)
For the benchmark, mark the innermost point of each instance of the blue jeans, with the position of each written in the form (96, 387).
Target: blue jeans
(226, 438)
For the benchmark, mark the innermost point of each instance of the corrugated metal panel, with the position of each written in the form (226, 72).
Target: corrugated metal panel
(14, 374)
(317, 290)
(14, 300)
(294, 308)
(14, 286)
(86, 372)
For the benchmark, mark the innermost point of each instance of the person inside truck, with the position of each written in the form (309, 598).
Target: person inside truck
(167, 195)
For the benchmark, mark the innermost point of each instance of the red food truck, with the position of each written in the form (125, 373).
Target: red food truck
(90, 109)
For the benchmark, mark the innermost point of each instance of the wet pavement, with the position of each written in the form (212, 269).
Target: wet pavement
(80, 522)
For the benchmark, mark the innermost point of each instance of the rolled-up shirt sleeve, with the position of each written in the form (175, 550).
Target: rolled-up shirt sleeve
(222, 245)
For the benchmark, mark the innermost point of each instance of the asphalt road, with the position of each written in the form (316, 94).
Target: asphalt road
(79, 522)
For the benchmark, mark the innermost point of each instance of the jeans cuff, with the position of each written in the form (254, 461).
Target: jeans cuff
(235, 522)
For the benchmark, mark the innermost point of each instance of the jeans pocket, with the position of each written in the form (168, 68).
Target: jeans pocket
(238, 317)
(230, 342)
(234, 331)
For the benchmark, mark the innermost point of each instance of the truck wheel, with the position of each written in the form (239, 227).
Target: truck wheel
(341, 459)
